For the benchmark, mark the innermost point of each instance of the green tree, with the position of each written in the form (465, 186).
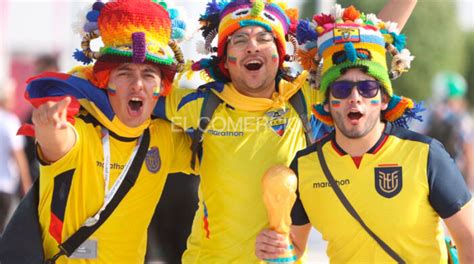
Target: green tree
(469, 70)
(433, 37)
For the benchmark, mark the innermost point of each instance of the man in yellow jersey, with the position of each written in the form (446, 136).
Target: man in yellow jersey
(389, 186)
(253, 127)
(87, 161)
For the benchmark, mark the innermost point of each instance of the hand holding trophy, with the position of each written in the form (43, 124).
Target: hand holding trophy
(279, 187)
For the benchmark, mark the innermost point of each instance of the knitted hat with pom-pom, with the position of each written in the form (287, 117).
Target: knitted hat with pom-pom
(332, 43)
(133, 31)
(223, 18)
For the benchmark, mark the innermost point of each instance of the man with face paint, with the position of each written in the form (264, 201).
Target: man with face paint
(399, 182)
(86, 154)
(254, 128)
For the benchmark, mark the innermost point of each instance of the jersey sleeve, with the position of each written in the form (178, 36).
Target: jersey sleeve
(182, 107)
(448, 191)
(298, 213)
(182, 152)
(68, 161)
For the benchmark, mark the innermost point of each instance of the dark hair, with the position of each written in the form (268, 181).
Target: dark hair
(46, 62)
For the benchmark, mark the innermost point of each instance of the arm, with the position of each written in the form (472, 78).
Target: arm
(22, 163)
(55, 137)
(270, 244)
(461, 228)
(397, 11)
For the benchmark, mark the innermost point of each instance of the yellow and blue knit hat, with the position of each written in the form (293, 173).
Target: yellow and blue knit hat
(139, 31)
(225, 17)
(347, 38)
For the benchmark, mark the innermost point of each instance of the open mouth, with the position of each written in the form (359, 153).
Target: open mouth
(135, 104)
(354, 116)
(253, 65)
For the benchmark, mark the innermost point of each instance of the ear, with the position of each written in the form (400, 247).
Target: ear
(326, 106)
(385, 100)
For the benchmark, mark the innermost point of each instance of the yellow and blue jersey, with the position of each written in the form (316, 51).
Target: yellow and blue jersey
(238, 147)
(72, 189)
(400, 188)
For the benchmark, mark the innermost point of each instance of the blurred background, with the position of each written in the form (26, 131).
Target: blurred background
(37, 35)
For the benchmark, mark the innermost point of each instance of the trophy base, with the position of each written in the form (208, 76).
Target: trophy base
(288, 257)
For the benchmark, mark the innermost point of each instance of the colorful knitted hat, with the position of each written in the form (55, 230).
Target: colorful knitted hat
(347, 38)
(138, 31)
(225, 17)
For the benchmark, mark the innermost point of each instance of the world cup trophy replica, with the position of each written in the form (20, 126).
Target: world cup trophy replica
(279, 187)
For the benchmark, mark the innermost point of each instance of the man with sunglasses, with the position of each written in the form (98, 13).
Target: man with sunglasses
(374, 189)
(253, 127)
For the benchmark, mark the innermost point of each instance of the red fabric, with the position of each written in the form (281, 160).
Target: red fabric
(206, 227)
(57, 75)
(72, 110)
(56, 228)
(357, 161)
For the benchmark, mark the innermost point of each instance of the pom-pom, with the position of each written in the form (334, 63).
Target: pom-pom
(81, 57)
(173, 12)
(213, 8)
(323, 19)
(257, 8)
(399, 41)
(305, 32)
(90, 26)
(178, 23)
(178, 34)
(98, 6)
(93, 15)
(351, 14)
(337, 11)
(372, 19)
(307, 58)
(351, 52)
(391, 27)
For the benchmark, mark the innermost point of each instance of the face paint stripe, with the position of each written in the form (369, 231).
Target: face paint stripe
(375, 102)
(232, 59)
(336, 103)
(274, 57)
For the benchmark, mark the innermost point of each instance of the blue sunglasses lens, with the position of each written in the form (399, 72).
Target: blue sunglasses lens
(342, 89)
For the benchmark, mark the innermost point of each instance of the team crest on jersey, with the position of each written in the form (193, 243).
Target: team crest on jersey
(388, 180)
(153, 160)
(277, 121)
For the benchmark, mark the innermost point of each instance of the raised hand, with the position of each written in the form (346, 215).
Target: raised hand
(51, 115)
(55, 137)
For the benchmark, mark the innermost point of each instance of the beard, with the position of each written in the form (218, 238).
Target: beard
(355, 132)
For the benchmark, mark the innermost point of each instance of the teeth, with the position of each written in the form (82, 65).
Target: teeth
(135, 99)
(253, 61)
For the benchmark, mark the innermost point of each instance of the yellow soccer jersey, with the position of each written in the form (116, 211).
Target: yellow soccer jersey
(72, 189)
(238, 147)
(400, 189)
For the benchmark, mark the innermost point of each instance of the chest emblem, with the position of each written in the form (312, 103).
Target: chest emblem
(388, 180)
(153, 160)
(277, 120)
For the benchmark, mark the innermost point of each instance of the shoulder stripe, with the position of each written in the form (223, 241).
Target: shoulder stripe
(62, 186)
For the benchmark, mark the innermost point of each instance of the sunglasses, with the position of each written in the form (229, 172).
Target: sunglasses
(342, 89)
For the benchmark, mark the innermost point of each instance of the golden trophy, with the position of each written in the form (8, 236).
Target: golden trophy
(279, 187)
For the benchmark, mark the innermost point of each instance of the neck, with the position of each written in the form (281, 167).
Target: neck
(262, 92)
(356, 147)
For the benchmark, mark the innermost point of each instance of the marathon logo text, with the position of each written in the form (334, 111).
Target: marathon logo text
(328, 185)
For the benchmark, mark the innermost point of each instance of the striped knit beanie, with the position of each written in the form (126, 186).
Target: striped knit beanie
(138, 31)
(332, 43)
(223, 18)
